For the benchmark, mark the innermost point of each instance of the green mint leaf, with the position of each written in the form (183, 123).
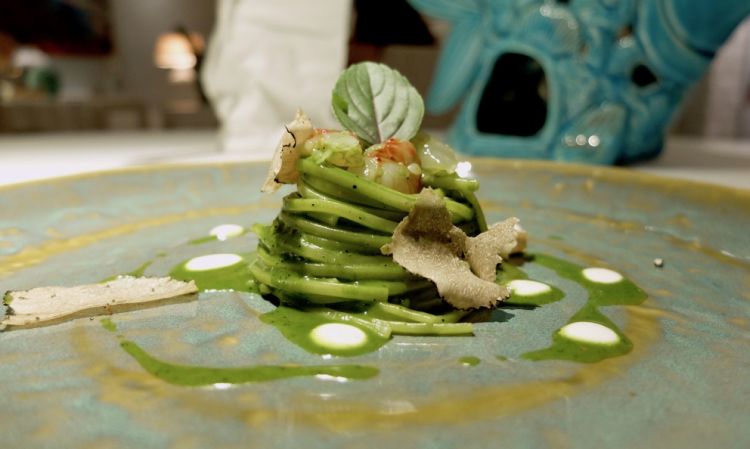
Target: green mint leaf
(376, 103)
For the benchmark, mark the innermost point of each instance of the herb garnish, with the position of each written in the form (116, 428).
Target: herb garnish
(376, 103)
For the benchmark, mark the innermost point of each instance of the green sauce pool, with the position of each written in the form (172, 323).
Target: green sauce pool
(197, 376)
(469, 360)
(216, 272)
(589, 336)
(320, 335)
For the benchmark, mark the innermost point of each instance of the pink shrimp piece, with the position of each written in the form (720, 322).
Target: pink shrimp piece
(394, 164)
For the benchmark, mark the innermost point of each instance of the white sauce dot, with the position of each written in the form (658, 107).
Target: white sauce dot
(225, 231)
(588, 332)
(338, 336)
(338, 379)
(602, 275)
(525, 287)
(463, 169)
(212, 262)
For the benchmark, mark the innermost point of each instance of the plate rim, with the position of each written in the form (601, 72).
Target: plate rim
(697, 189)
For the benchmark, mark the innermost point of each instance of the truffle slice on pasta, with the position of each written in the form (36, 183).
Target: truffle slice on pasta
(426, 243)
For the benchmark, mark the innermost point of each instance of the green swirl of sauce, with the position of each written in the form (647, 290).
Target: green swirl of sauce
(299, 326)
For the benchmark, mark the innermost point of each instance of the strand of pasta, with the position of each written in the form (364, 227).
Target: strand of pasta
(324, 249)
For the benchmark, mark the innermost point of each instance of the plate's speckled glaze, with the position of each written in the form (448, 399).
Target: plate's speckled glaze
(685, 384)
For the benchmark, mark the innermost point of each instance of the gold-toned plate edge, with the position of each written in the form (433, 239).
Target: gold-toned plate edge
(616, 174)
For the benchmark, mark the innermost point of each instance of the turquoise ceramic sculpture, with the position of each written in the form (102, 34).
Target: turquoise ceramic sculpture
(593, 81)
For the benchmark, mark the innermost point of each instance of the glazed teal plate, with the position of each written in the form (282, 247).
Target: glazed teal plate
(682, 381)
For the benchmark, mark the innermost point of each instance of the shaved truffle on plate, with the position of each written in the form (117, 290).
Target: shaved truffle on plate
(463, 268)
(47, 305)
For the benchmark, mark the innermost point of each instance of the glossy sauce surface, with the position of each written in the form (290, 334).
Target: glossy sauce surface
(574, 341)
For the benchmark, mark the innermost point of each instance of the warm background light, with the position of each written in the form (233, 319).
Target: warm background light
(177, 50)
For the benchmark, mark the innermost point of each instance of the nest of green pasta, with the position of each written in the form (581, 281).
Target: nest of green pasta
(380, 220)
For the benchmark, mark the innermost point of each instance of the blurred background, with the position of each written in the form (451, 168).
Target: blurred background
(101, 64)
(113, 66)
(129, 64)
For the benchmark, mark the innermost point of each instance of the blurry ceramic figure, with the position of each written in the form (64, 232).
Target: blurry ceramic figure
(593, 81)
(265, 59)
